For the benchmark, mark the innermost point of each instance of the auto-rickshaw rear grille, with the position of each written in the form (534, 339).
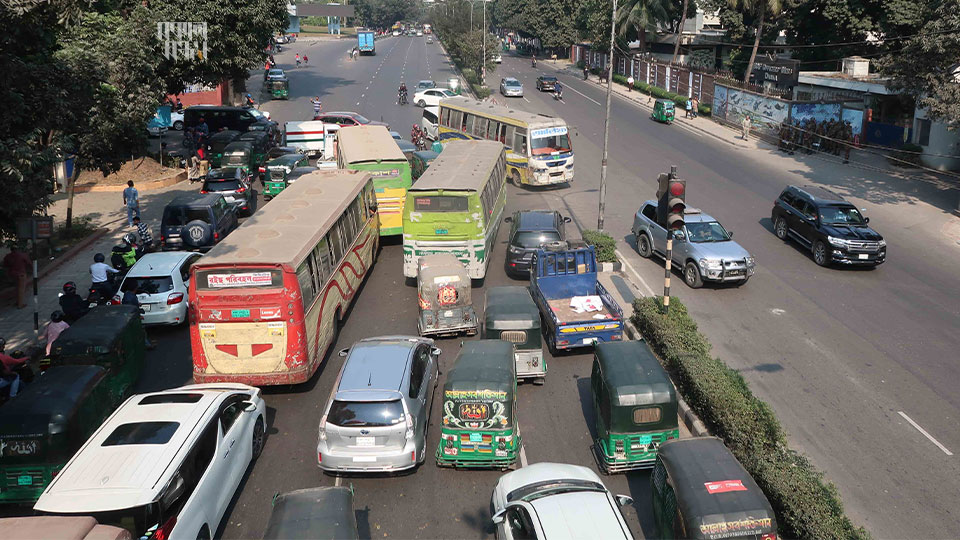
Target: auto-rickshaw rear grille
(514, 336)
(14, 475)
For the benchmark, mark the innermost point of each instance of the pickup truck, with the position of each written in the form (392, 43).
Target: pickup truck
(577, 310)
(703, 250)
(365, 42)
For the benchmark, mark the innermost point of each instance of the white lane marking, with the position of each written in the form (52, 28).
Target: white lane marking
(523, 456)
(777, 311)
(634, 272)
(337, 481)
(582, 94)
(525, 99)
(925, 434)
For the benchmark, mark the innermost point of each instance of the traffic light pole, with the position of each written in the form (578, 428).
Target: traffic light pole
(666, 272)
(606, 122)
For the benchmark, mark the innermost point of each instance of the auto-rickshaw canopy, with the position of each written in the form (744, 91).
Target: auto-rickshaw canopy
(510, 308)
(442, 282)
(640, 395)
(287, 162)
(716, 496)
(279, 84)
(219, 140)
(665, 104)
(237, 154)
(480, 389)
(98, 333)
(323, 513)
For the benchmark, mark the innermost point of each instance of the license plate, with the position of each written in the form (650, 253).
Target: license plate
(450, 451)
(448, 313)
(145, 307)
(864, 256)
(501, 453)
(476, 437)
(589, 341)
(365, 459)
(366, 441)
(240, 313)
(645, 439)
(24, 480)
(440, 231)
(735, 273)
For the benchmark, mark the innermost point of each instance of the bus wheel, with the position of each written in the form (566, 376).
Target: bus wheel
(515, 177)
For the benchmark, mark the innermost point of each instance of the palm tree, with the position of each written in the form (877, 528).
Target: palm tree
(643, 15)
(759, 9)
(683, 19)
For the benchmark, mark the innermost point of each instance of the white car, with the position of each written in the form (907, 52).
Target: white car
(498, 59)
(161, 281)
(396, 33)
(430, 122)
(165, 464)
(176, 122)
(419, 33)
(431, 97)
(555, 500)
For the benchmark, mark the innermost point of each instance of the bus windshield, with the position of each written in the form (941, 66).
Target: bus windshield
(550, 144)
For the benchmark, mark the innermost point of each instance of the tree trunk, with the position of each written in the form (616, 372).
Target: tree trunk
(642, 35)
(683, 19)
(756, 45)
(70, 183)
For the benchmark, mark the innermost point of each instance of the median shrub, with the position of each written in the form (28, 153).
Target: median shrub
(482, 92)
(603, 244)
(806, 505)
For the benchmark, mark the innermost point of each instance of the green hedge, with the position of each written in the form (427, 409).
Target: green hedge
(482, 92)
(603, 243)
(806, 505)
(679, 100)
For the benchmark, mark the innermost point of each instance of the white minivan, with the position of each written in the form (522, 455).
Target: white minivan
(430, 122)
(165, 464)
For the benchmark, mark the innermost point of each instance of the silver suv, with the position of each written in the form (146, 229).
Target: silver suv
(377, 417)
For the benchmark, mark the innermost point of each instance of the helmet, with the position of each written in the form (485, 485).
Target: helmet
(248, 95)
(69, 287)
(56, 316)
(99, 258)
(129, 238)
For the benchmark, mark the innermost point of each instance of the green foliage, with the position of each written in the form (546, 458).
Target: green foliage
(553, 21)
(806, 505)
(482, 92)
(382, 13)
(603, 243)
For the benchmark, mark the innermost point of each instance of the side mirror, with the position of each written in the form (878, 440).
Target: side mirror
(343, 352)
(866, 220)
(730, 234)
(508, 219)
(249, 406)
(373, 208)
(567, 220)
(499, 517)
(436, 351)
(624, 500)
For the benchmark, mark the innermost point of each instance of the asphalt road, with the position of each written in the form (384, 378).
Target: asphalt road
(841, 354)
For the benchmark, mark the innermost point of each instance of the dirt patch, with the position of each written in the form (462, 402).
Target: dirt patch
(140, 170)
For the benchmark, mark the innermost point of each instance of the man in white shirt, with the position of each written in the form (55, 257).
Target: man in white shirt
(98, 275)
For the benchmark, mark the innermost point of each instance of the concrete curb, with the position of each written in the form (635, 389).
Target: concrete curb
(9, 292)
(146, 186)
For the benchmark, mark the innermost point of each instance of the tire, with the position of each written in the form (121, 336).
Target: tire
(743, 282)
(259, 438)
(197, 233)
(204, 533)
(820, 254)
(515, 178)
(691, 276)
(643, 246)
(421, 103)
(780, 228)
(178, 125)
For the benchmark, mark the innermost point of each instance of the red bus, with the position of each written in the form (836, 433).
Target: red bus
(267, 301)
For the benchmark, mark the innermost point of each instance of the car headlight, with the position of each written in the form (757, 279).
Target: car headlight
(710, 265)
(839, 242)
(514, 249)
(540, 170)
(570, 167)
(882, 243)
(751, 261)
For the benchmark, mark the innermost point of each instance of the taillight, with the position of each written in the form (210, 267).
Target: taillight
(115, 301)
(319, 457)
(216, 236)
(241, 190)
(174, 298)
(203, 191)
(263, 169)
(771, 536)
(163, 533)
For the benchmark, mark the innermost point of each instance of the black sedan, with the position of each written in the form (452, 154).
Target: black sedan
(546, 83)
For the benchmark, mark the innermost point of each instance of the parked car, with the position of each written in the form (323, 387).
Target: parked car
(511, 87)
(196, 222)
(832, 228)
(348, 119)
(557, 500)
(274, 74)
(161, 281)
(432, 96)
(217, 116)
(546, 82)
(165, 464)
(377, 417)
(703, 250)
(529, 229)
(236, 187)
(425, 85)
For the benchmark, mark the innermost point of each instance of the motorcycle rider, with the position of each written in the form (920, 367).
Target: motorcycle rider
(533, 60)
(8, 366)
(558, 90)
(124, 255)
(249, 102)
(99, 272)
(402, 93)
(54, 329)
(72, 304)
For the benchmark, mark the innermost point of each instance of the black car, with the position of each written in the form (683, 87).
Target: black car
(833, 229)
(196, 222)
(545, 82)
(529, 229)
(235, 185)
(217, 116)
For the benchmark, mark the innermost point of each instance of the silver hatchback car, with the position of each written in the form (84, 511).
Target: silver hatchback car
(377, 417)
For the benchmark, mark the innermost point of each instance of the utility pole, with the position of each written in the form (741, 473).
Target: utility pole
(606, 122)
(483, 48)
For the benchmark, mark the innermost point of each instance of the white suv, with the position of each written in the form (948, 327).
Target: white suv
(165, 464)
(161, 281)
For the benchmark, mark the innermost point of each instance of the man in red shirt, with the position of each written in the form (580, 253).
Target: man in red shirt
(9, 377)
(18, 266)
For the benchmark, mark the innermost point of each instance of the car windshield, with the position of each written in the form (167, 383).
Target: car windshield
(707, 232)
(276, 72)
(548, 79)
(362, 119)
(532, 239)
(841, 215)
(365, 413)
(447, 93)
(511, 82)
(221, 185)
(537, 490)
(149, 285)
(549, 145)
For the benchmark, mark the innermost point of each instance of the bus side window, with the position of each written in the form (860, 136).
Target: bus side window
(480, 127)
(492, 128)
(356, 207)
(509, 132)
(445, 117)
(336, 245)
(456, 120)
(306, 280)
(322, 255)
(371, 198)
(467, 122)
(520, 143)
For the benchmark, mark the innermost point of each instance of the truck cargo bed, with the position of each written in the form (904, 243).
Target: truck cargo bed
(565, 314)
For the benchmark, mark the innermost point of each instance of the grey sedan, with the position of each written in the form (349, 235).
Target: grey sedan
(511, 87)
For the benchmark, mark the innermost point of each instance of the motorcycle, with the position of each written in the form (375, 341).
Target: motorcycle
(534, 62)
(558, 94)
(401, 98)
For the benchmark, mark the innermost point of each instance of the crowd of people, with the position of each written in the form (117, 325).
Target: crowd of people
(809, 135)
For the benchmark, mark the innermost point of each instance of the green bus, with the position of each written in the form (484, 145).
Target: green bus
(372, 149)
(456, 206)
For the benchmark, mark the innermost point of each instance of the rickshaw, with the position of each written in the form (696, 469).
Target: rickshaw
(279, 88)
(635, 406)
(510, 314)
(275, 173)
(701, 491)
(419, 162)
(663, 111)
(262, 142)
(50, 420)
(313, 513)
(480, 427)
(239, 155)
(215, 145)
(108, 336)
(443, 288)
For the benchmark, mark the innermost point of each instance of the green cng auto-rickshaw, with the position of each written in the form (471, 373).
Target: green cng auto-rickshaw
(510, 314)
(701, 491)
(42, 428)
(479, 408)
(279, 88)
(277, 170)
(111, 337)
(309, 514)
(216, 144)
(261, 144)
(635, 406)
(419, 161)
(444, 297)
(663, 111)
(239, 155)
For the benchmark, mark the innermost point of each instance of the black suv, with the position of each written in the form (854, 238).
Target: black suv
(529, 229)
(546, 82)
(235, 186)
(833, 229)
(196, 222)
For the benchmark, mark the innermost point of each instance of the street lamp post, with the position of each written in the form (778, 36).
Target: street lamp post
(606, 122)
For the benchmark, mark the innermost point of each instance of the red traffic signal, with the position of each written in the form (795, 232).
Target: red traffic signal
(678, 188)
(676, 204)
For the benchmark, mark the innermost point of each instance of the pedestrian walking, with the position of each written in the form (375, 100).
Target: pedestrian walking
(745, 125)
(696, 106)
(630, 83)
(847, 140)
(304, 59)
(298, 59)
(17, 264)
(586, 71)
(131, 200)
(143, 231)
(689, 107)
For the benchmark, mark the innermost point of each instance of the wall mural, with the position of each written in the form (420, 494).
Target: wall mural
(719, 102)
(766, 113)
